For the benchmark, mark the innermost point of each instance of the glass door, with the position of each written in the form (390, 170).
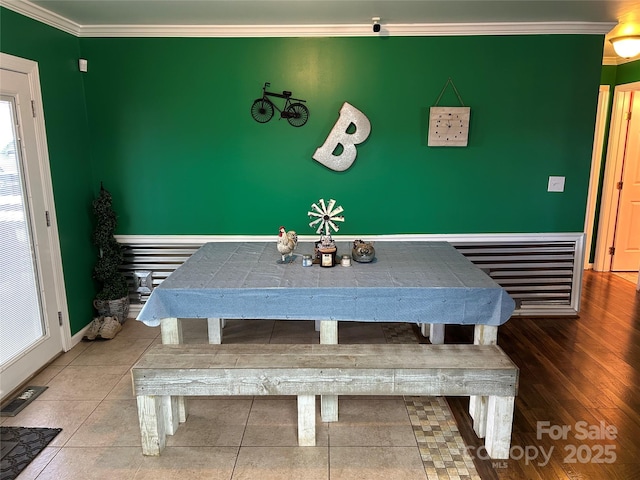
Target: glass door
(30, 331)
(19, 292)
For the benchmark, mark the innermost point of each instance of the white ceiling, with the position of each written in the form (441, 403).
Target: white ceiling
(323, 12)
(92, 13)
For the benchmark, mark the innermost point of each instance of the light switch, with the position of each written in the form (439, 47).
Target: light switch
(556, 184)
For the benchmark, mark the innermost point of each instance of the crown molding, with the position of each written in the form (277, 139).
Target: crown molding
(615, 60)
(52, 19)
(354, 30)
(42, 15)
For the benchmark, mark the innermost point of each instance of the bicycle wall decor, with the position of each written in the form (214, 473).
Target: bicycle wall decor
(293, 110)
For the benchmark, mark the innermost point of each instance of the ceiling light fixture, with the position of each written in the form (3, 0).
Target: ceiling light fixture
(625, 38)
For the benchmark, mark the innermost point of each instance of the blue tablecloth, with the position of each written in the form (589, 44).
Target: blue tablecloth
(423, 282)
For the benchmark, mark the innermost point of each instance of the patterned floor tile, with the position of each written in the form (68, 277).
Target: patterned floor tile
(443, 451)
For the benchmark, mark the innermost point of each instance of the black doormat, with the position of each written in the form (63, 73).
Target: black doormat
(20, 445)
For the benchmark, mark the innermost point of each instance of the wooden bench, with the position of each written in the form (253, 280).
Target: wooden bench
(166, 372)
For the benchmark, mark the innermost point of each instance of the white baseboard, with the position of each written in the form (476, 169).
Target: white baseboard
(77, 338)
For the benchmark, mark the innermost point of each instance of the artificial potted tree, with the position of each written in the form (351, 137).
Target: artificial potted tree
(112, 299)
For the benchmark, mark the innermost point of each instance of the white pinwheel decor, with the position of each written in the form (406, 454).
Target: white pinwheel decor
(325, 216)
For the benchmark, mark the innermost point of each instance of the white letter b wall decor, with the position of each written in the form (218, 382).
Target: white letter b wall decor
(340, 135)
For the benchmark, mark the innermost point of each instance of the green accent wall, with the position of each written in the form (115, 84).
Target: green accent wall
(608, 75)
(628, 72)
(165, 124)
(173, 139)
(67, 136)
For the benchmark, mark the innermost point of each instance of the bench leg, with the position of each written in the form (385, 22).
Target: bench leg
(499, 423)
(172, 413)
(171, 333)
(329, 403)
(152, 426)
(307, 420)
(478, 411)
(329, 408)
(214, 328)
(482, 335)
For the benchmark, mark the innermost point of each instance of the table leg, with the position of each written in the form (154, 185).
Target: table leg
(329, 332)
(436, 333)
(424, 329)
(214, 328)
(485, 335)
(433, 331)
(479, 406)
(171, 333)
(329, 403)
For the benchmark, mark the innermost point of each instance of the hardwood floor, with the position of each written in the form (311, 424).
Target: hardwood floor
(578, 405)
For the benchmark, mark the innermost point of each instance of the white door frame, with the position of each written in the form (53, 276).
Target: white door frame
(30, 69)
(612, 173)
(596, 168)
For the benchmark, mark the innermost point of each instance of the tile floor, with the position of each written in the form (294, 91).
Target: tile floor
(234, 438)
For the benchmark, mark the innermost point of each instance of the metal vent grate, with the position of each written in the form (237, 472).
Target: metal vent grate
(537, 275)
(159, 259)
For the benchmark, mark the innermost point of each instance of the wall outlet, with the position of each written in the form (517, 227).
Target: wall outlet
(556, 184)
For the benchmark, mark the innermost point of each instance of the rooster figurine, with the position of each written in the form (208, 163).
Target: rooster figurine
(287, 242)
